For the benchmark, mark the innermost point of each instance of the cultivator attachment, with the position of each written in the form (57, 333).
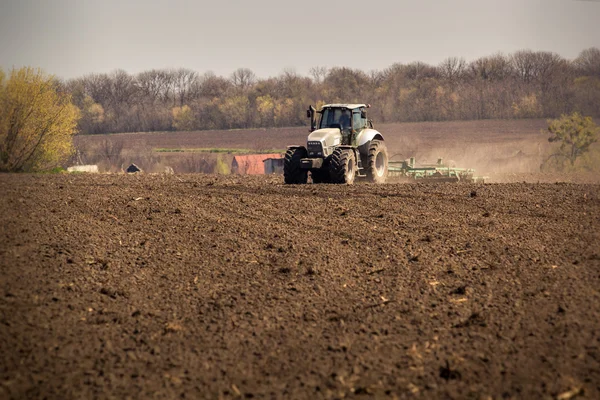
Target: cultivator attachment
(432, 172)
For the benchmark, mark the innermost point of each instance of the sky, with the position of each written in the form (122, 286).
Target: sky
(73, 38)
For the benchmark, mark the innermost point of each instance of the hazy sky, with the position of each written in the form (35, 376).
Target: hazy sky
(71, 38)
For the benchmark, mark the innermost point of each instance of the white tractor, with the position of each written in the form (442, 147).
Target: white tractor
(342, 145)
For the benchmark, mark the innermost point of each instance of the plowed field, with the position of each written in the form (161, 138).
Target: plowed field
(492, 147)
(199, 286)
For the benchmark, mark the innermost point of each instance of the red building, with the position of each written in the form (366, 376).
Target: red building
(251, 164)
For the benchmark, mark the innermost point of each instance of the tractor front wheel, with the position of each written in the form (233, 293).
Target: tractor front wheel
(377, 162)
(342, 168)
(292, 171)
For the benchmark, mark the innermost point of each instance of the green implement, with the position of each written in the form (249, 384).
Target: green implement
(432, 172)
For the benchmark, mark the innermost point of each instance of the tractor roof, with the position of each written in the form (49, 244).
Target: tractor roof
(349, 106)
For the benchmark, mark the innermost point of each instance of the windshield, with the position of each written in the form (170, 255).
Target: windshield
(342, 118)
(330, 117)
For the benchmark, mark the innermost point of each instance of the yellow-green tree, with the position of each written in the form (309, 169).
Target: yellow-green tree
(283, 112)
(265, 106)
(235, 110)
(575, 133)
(37, 122)
(183, 118)
(91, 114)
(222, 167)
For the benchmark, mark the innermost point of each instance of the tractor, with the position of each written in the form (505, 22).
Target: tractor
(342, 145)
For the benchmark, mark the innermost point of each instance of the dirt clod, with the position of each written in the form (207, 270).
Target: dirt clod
(449, 374)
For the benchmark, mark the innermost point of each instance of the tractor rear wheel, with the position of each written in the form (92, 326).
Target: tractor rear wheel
(377, 162)
(292, 171)
(342, 168)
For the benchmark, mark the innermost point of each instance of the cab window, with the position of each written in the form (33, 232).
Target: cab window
(330, 117)
(358, 123)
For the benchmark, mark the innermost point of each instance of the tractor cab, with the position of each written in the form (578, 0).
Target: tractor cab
(350, 119)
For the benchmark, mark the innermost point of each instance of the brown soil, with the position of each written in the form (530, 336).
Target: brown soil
(201, 286)
(444, 133)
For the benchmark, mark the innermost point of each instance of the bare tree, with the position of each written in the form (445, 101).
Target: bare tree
(243, 78)
(492, 68)
(212, 86)
(98, 87)
(346, 84)
(152, 85)
(318, 74)
(452, 69)
(185, 82)
(588, 62)
(531, 66)
(123, 89)
(292, 84)
(417, 71)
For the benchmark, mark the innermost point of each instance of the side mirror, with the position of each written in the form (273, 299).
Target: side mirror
(308, 113)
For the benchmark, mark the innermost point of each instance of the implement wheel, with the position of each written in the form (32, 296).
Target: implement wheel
(377, 162)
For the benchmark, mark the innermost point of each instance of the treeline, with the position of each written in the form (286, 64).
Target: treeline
(526, 84)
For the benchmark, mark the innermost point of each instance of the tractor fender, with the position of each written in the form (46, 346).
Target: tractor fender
(367, 135)
(363, 141)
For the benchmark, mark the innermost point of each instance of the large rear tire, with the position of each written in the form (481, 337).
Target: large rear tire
(292, 171)
(342, 168)
(377, 162)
